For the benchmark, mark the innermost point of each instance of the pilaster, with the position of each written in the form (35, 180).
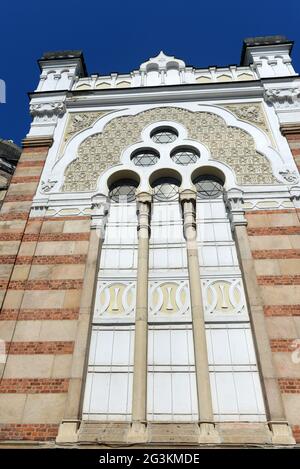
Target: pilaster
(70, 424)
(278, 425)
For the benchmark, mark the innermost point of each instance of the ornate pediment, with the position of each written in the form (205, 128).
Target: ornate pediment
(162, 62)
(228, 144)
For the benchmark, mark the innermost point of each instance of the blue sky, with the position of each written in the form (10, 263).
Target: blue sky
(116, 36)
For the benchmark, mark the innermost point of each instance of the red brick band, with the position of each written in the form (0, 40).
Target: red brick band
(3, 284)
(289, 385)
(278, 279)
(57, 237)
(7, 259)
(10, 237)
(38, 314)
(270, 212)
(31, 431)
(296, 432)
(276, 254)
(275, 231)
(69, 284)
(19, 198)
(14, 216)
(76, 259)
(283, 345)
(24, 179)
(30, 163)
(40, 348)
(34, 385)
(282, 310)
(290, 133)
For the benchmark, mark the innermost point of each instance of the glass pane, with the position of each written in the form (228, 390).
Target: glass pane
(164, 135)
(123, 191)
(166, 189)
(208, 187)
(145, 158)
(185, 156)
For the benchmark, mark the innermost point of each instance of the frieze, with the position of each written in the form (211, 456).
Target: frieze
(230, 145)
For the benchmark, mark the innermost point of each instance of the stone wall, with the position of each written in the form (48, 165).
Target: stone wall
(42, 269)
(275, 245)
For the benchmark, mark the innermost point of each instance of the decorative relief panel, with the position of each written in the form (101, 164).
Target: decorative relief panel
(44, 112)
(230, 145)
(169, 298)
(283, 98)
(252, 113)
(268, 204)
(78, 121)
(223, 297)
(115, 300)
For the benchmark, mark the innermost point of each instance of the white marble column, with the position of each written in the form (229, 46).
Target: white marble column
(138, 430)
(208, 432)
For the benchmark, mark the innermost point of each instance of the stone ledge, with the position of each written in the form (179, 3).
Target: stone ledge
(33, 142)
(290, 129)
(181, 434)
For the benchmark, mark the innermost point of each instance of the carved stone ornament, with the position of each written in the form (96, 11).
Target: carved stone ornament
(252, 113)
(47, 185)
(289, 175)
(283, 98)
(162, 60)
(231, 145)
(47, 111)
(78, 121)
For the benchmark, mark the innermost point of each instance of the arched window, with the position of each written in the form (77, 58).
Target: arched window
(165, 188)
(185, 155)
(123, 190)
(145, 157)
(164, 135)
(208, 186)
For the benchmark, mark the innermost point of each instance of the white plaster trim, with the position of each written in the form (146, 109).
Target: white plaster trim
(261, 140)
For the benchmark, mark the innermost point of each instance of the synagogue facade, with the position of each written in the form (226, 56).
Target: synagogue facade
(150, 256)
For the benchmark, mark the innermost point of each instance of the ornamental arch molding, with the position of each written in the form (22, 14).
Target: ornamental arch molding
(239, 145)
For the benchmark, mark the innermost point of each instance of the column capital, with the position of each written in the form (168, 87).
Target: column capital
(144, 197)
(188, 198)
(187, 195)
(100, 207)
(144, 200)
(234, 202)
(295, 196)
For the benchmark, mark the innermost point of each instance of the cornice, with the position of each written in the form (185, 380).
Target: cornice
(168, 93)
(33, 142)
(178, 93)
(290, 129)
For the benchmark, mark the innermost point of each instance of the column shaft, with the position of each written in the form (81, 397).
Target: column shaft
(201, 358)
(139, 393)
